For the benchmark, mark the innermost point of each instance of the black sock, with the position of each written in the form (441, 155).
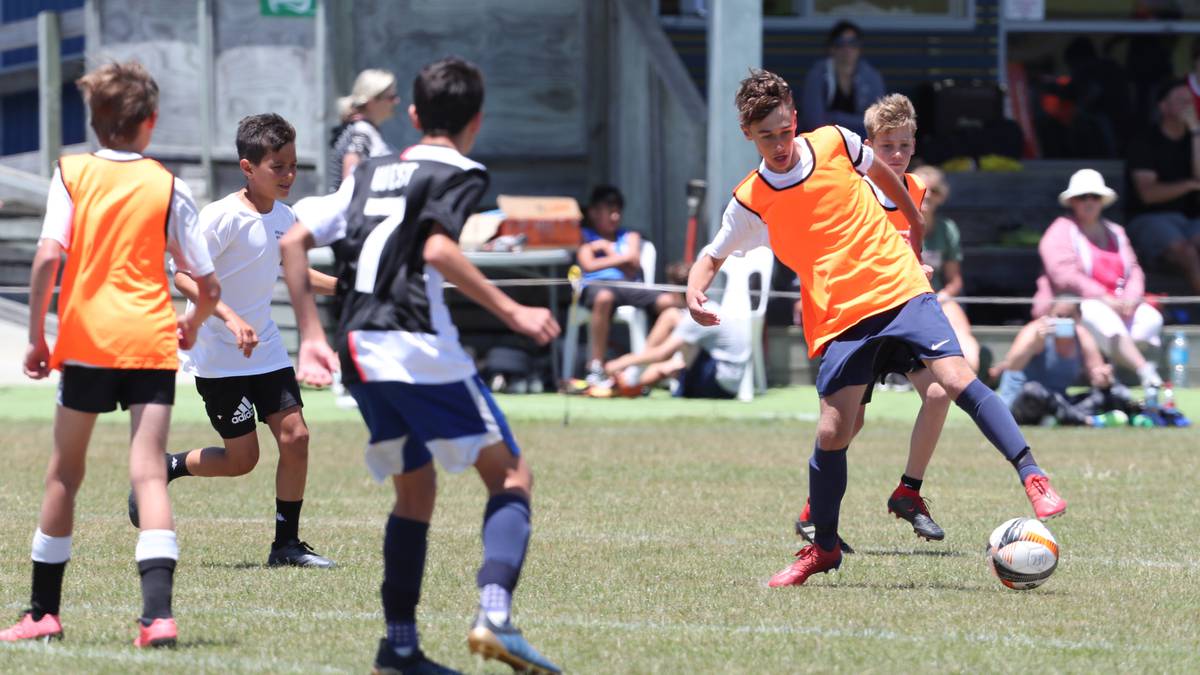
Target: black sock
(404, 546)
(177, 466)
(911, 483)
(47, 588)
(287, 521)
(158, 577)
(1026, 466)
(826, 487)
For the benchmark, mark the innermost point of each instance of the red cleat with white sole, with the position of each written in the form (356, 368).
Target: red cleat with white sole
(1046, 502)
(810, 560)
(160, 633)
(46, 628)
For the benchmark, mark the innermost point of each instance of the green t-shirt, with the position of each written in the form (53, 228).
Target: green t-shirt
(942, 244)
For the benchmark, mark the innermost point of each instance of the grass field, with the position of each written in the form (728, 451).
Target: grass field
(653, 541)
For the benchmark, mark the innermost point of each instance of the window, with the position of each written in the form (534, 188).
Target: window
(871, 14)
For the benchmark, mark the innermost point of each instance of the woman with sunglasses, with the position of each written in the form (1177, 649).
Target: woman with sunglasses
(371, 102)
(1086, 255)
(839, 88)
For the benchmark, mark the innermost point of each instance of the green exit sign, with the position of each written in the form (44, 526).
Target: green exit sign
(289, 7)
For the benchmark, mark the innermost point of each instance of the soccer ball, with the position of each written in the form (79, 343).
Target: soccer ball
(1022, 553)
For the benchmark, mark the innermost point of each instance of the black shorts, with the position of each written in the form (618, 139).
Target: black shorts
(642, 298)
(101, 390)
(231, 402)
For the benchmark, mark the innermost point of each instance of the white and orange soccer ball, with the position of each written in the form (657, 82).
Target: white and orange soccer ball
(1022, 553)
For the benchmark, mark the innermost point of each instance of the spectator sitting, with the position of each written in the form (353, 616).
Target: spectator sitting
(1048, 355)
(1089, 256)
(1164, 205)
(838, 88)
(709, 361)
(611, 253)
(1193, 78)
(942, 250)
(372, 101)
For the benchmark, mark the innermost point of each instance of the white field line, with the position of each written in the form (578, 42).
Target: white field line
(173, 659)
(674, 628)
(623, 539)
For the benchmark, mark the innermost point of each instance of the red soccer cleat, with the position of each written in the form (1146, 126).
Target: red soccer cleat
(160, 633)
(806, 530)
(809, 561)
(46, 628)
(1046, 502)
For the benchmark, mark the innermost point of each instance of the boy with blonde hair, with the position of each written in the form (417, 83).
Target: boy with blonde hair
(863, 290)
(118, 334)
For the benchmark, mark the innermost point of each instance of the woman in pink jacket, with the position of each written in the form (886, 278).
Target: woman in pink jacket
(1085, 255)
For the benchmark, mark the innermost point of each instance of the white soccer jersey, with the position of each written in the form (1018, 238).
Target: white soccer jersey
(244, 245)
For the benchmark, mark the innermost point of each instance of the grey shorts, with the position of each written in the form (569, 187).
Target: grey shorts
(1153, 233)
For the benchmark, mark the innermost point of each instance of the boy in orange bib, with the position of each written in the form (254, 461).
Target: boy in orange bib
(863, 289)
(115, 214)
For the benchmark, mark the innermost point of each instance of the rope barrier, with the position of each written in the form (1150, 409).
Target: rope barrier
(1176, 300)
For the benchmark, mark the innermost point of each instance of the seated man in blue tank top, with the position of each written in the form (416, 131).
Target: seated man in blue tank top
(1051, 354)
(609, 252)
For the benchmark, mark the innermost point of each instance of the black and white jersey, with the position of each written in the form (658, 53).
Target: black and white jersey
(394, 325)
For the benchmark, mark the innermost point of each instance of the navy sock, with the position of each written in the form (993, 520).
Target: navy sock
(826, 486)
(993, 418)
(47, 588)
(158, 577)
(404, 546)
(1026, 467)
(911, 483)
(177, 466)
(505, 537)
(287, 521)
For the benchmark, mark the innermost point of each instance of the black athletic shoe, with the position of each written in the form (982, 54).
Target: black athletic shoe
(298, 554)
(506, 644)
(807, 531)
(388, 663)
(909, 505)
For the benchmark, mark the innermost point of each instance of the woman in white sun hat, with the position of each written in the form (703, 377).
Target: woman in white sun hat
(1086, 255)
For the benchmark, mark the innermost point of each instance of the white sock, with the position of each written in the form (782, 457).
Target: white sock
(154, 544)
(1149, 376)
(47, 549)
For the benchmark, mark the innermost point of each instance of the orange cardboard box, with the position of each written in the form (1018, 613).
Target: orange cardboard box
(546, 222)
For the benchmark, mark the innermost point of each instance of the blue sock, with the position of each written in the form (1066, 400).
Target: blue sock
(995, 421)
(826, 485)
(505, 537)
(404, 546)
(1026, 467)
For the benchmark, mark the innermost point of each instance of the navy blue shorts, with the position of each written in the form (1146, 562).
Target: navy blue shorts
(904, 336)
(700, 379)
(410, 424)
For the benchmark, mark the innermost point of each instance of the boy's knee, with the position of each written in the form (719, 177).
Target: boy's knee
(243, 462)
(833, 434)
(293, 441)
(604, 298)
(937, 396)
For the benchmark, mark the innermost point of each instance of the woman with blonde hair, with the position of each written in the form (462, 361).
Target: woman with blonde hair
(372, 101)
(1086, 255)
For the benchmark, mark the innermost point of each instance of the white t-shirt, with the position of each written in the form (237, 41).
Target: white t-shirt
(728, 343)
(742, 230)
(244, 245)
(184, 242)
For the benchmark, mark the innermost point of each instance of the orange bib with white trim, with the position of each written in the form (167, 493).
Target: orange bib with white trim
(831, 230)
(114, 308)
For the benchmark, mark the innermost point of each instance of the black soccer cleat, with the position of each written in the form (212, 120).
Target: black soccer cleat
(133, 510)
(909, 505)
(387, 662)
(296, 553)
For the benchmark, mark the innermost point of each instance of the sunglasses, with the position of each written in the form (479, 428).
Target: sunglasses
(847, 42)
(1088, 197)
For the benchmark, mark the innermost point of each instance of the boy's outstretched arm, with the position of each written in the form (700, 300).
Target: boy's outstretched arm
(316, 361)
(886, 179)
(699, 278)
(41, 287)
(443, 254)
(247, 337)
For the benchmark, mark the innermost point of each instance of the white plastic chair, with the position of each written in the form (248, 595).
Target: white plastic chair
(637, 319)
(737, 304)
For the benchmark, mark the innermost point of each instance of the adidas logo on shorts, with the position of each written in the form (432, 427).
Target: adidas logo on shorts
(244, 412)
